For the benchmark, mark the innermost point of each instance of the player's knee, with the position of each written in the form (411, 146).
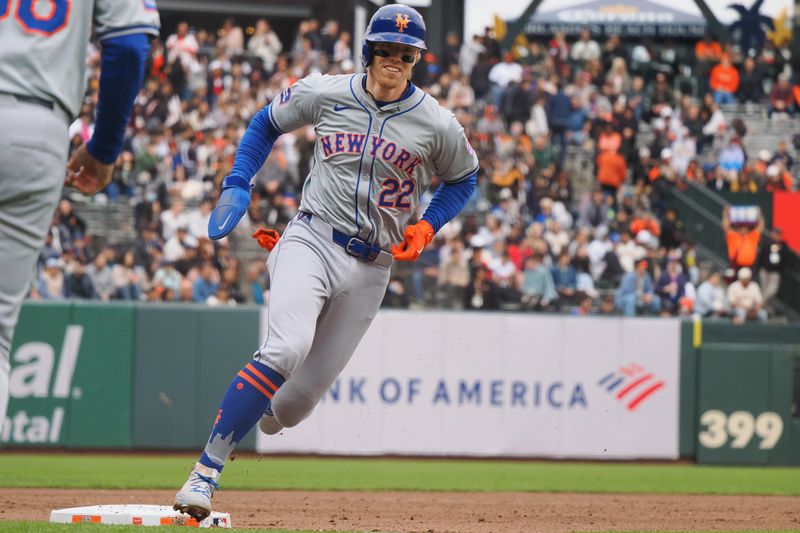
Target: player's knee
(290, 406)
(288, 356)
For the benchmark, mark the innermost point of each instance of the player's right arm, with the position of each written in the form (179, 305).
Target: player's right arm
(124, 30)
(293, 108)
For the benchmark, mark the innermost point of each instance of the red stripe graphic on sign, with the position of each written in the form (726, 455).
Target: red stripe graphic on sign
(621, 394)
(643, 396)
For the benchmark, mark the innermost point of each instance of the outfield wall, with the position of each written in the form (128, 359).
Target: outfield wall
(123, 376)
(482, 384)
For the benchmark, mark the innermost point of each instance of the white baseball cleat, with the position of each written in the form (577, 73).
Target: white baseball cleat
(194, 498)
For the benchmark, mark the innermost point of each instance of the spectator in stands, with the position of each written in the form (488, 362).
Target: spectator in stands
(77, 283)
(265, 45)
(168, 277)
(660, 95)
(565, 279)
(231, 39)
(175, 247)
(781, 99)
(501, 75)
(221, 297)
(636, 292)
(724, 81)
(708, 53)
(172, 219)
(742, 240)
(329, 36)
(629, 251)
(559, 113)
(453, 277)
(595, 212)
(732, 158)
(672, 230)
(99, 272)
(745, 298)
(481, 292)
(772, 261)
(684, 151)
(584, 307)
(751, 87)
(782, 154)
(556, 238)
(711, 299)
(51, 280)
(342, 51)
(537, 124)
(671, 286)
(611, 172)
(585, 49)
(206, 284)
(537, 286)
(777, 178)
(182, 46)
(71, 227)
(255, 292)
(127, 278)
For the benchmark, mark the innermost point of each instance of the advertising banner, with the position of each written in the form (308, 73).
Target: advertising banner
(70, 380)
(504, 385)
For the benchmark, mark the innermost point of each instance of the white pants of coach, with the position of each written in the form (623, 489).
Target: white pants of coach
(33, 157)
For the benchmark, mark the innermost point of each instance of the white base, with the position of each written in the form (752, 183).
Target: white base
(139, 515)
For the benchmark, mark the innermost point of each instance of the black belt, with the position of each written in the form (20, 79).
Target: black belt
(32, 100)
(352, 245)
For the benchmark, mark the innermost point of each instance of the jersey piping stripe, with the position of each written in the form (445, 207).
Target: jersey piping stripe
(364, 149)
(273, 277)
(264, 379)
(255, 384)
(272, 120)
(372, 166)
(465, 176)
(113, 32)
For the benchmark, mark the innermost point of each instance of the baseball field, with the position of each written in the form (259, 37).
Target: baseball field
(329, 494)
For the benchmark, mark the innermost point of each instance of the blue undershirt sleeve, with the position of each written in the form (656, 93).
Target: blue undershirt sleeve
(448, 201)
(121, 77)
(254, 148)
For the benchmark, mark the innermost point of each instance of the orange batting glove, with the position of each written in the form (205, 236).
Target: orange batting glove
(267, 238)
(417, 237)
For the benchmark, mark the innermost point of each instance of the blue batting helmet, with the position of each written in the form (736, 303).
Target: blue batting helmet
(394, 23)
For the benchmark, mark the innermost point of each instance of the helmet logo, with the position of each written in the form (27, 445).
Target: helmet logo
(401, 21)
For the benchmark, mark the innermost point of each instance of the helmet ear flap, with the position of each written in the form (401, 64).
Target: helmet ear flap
(366, 54)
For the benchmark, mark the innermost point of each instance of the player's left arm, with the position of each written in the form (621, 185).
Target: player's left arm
(121, 76)
(457, 166)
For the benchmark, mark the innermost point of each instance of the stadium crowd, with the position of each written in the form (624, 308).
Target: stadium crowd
(526, 240)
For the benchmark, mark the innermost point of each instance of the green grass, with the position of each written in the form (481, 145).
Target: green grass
(251, 473)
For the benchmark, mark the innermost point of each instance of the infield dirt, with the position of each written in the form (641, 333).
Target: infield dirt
(445, 511)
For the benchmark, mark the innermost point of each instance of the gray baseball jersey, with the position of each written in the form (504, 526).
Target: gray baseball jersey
(36, 36)
(371, 164)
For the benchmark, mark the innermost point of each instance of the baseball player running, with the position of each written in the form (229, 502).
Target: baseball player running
(42, 83)
(379, 141)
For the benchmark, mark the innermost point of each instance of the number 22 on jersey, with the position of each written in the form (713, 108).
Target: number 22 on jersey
(391, 186)
(42, 17)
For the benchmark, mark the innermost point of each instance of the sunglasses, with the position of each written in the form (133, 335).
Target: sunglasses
(405, 58)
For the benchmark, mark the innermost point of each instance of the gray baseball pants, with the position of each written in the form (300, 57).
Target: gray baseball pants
(322, 301)
(33, 156)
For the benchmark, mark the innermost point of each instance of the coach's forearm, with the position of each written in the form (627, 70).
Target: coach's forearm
(255, 146)
(121, 77)
(448, 201)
